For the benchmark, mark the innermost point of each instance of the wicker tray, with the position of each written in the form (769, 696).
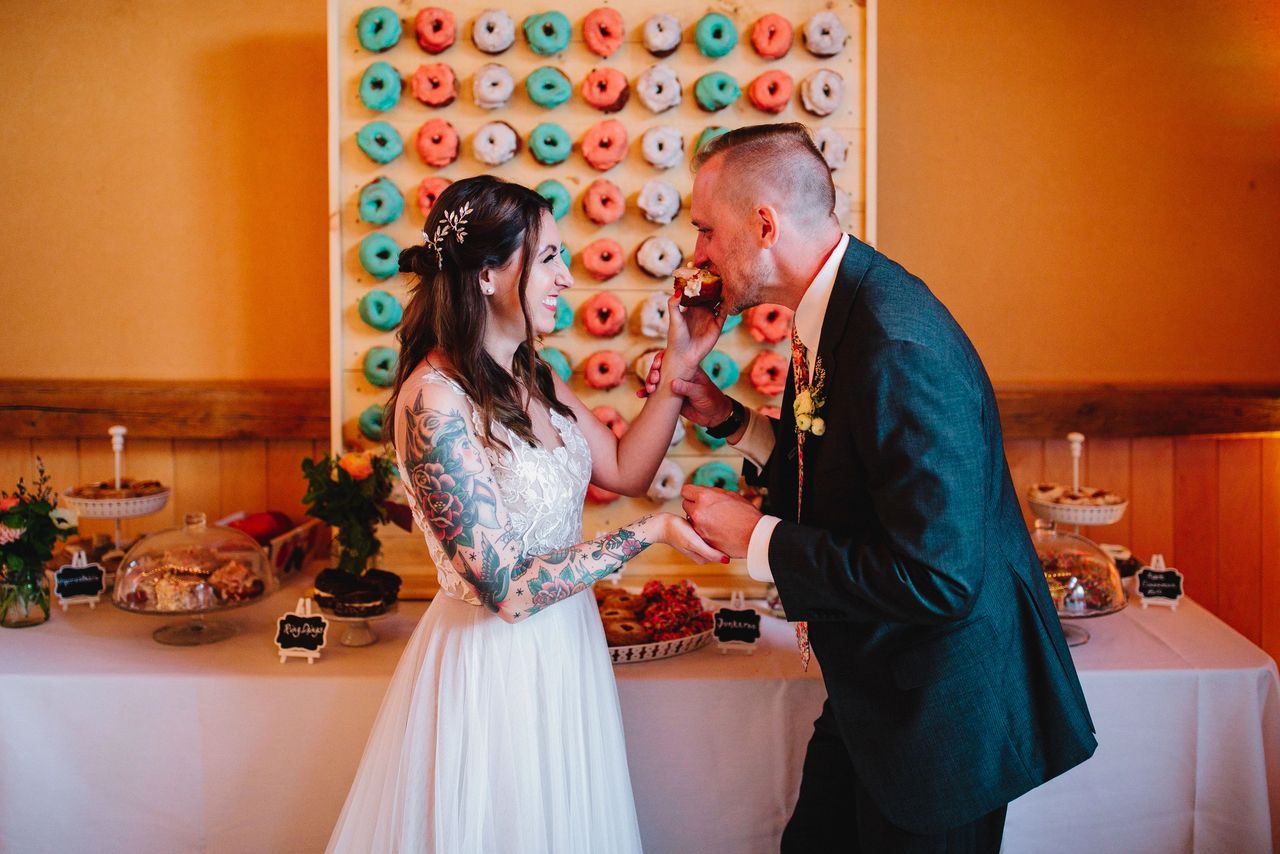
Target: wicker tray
(658, 649)
(1078, 514)
(116, 508)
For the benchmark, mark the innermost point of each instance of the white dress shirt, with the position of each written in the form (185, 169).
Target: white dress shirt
(757, 440)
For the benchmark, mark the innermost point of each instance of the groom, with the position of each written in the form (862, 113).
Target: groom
(892, 527)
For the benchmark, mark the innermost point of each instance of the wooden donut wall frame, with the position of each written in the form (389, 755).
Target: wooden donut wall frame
(350, 169)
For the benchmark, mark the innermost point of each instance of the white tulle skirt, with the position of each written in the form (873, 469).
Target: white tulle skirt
(496, 737)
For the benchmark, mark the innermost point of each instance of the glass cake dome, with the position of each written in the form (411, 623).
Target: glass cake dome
(1083, 579)
(193, 570)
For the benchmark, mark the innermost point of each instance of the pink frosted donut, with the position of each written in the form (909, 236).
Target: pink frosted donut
(604, 369)
(605, 144)
(610, 417)
(603, 202)
(768, 373)
(604, 316)
(771, 91)
(606, 89)
(435, 29)
(437, 143)
(769, 323)
(602, 30)
(771, 36)
(603, 259)
(428, 191)
(434, 84)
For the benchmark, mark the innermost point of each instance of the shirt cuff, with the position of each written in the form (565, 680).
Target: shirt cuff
(757, 440)
(758, 549)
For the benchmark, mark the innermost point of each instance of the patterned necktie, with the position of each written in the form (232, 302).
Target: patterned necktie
(800, 373)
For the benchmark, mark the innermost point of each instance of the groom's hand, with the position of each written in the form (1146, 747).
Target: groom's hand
(724, 519)
(704, 403)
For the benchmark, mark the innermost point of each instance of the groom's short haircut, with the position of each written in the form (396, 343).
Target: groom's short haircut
(782, 157)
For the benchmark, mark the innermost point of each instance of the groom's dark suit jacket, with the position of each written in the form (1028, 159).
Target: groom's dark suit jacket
(944, 662)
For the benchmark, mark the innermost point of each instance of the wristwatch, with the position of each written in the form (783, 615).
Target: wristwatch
(730, 425)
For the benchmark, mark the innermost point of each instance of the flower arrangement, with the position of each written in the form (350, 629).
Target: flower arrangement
(808, 404)
(30, 524)
(350, 493)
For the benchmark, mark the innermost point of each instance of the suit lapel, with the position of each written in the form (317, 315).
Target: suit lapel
(853, 268)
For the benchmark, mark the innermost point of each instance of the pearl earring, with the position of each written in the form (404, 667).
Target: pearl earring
(487, 290)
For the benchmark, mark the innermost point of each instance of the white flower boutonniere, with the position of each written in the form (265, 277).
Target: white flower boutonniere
(807, 406)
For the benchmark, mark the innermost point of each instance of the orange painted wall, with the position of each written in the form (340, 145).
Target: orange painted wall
(1092, 187)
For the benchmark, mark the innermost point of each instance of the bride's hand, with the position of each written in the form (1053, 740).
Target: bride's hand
(679, 534)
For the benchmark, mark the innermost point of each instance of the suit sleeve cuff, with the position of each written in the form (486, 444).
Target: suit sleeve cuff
(758, 549)
(757, 440)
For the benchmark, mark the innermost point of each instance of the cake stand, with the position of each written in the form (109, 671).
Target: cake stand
(358, 632)
(116, 508)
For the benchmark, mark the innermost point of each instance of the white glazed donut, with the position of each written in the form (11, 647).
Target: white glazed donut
(667, 482)
(822, 91)
(661, 35)
(678, 436)
(659, 256)
(659, 201)
(494, 31)
(843, 206)
(834, 147)
(653, 315)
(663, 146)
(824, 34)
(644, 362)
(658, 88)
(492, 86)
(495, 143)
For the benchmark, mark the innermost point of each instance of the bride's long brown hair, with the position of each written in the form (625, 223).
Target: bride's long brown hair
(447, 311)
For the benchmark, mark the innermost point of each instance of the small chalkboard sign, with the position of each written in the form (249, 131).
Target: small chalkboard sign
(301, 633)
(1158, 584)
(79, 582)
(737, 627)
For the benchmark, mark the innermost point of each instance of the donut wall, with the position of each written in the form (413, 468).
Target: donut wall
(605, 128)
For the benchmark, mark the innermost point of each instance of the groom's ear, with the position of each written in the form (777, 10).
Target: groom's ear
(766, 226)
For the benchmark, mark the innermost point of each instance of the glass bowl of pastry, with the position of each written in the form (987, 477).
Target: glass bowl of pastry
(1087, 505)
(193, 571)
(106, 500)
(1082, 577)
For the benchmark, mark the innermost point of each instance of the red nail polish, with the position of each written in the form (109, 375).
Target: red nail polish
(724, 559)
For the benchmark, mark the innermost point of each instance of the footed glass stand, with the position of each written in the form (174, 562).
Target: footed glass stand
(196, 631)
(1076, 635)
(358, 632)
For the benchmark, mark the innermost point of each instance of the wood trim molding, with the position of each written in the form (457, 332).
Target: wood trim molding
(66, 409)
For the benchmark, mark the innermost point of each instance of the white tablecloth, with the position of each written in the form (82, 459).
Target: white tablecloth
(112, 742)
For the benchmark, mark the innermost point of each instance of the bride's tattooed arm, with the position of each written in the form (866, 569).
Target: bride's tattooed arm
(456, 492)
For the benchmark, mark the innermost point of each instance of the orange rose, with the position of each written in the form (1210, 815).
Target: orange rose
(7, 504)
(356, 464)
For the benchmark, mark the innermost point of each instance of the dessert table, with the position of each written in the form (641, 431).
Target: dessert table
(112, 742)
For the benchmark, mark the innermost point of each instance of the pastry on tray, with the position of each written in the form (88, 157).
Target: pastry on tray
(129, 488)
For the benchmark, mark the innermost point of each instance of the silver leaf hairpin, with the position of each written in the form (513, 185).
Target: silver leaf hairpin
(454, 222)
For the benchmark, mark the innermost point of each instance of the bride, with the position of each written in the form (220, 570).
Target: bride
(500, 730)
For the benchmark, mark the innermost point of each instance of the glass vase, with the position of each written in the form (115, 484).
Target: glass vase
(24, 601)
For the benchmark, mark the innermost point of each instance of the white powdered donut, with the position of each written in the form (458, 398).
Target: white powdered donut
(653, 315)
(494, 31)
(659, 88)
(843, 205)
(659, 256)
(834, 147)
(667, 482)
(495, 143)
(678, 436)
(659, 201)
(661, 35)
(492, 86)
(663, 146)
(824, 34)
(644, 362)
(822, 91)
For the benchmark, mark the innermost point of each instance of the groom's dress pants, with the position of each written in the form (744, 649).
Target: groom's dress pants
(836, 814)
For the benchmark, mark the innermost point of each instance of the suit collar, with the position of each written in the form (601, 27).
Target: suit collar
(853, 268)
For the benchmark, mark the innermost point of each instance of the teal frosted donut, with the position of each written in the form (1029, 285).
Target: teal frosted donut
(370, 422)
(715, 35)
(715, 91)
(556, 193)
(707, 439)
(380, 310)
(564, 314)
(380, 366)
(557, 361)
(380, 202)
(380, 256)
(548, 87)
(550, 143)
(722, 369)
(708, 135)
(565, 257)
(380, 87)
(547, 33)
(730, 322)
(378, 29)
(380, 141)
(717, 475)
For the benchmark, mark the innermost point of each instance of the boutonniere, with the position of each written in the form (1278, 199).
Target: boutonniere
(807, 406)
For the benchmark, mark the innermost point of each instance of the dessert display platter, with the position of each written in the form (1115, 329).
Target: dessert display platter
(600, 108)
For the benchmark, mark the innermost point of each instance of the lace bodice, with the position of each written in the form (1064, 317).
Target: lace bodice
(542, 490)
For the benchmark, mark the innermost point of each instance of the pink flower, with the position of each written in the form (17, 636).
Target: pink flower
(7, 504)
